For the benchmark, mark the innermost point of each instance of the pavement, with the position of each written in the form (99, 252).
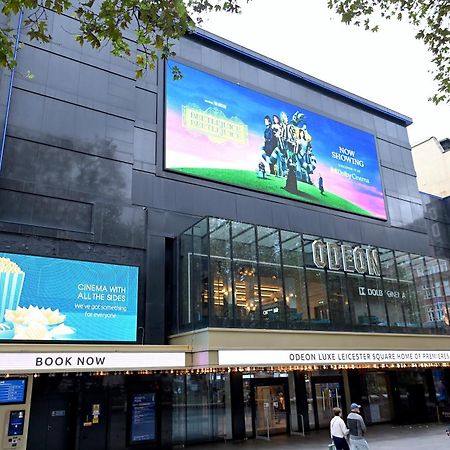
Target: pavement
(379, 437)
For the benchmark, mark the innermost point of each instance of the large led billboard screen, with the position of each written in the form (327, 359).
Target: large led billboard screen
(225, 132)
(50, 299)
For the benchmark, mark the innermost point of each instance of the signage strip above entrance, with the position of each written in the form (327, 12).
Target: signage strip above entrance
(21, 362)
(317, 357)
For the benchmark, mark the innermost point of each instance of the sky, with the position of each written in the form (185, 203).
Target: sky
(390, 67)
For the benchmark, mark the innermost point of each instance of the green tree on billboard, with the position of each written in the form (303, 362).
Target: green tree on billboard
(157, 24)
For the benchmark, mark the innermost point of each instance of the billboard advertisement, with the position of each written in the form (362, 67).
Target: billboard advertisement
(227, 133)
(50, 299)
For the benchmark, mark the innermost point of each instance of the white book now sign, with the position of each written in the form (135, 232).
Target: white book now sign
(68, 361)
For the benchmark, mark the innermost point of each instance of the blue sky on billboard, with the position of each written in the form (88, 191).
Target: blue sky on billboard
(389, 67)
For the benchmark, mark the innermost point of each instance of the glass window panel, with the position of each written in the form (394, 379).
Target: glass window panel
(185, 306)
(270, 276)
(317, 298)
(218, 405)
(220, 238)
(199, 423)
(359, 309)
(200, 286)
(200, 239)
(425, 302)
(272, 295)
(291, 244)
(294, 280)
(268, 245)
(246, 293)
(407, 290)
(296, 304)
(222, 289)
(379, 408)
(404, 267)
(410, 306)
(178, 410)
(387, 262)
(445, 274)
(394, 303)
(375, 297)
(307, 243)
(244, 247)
(436, 292)
(338, 301)
(205, 407)
(440, 387)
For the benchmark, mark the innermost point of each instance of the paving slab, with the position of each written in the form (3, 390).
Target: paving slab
(379, 437)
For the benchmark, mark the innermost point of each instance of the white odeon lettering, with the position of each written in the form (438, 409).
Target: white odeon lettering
(310, 357)
(345, 257)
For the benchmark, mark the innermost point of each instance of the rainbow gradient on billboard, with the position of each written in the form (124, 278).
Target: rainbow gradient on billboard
(221, 131)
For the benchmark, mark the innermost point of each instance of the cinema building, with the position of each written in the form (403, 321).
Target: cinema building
(225, 256)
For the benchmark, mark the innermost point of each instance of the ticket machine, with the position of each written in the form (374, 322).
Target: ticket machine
(14, 429)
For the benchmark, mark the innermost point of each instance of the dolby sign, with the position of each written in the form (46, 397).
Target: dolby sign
(346, 257)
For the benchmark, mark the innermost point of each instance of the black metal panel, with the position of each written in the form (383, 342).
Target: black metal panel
(237, 406)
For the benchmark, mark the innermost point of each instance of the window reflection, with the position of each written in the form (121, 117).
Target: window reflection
(199, 273)
(245, 276)
(407, 290)
(236, 274)
(359, 309)
(338, 301)
(436, 292)
(428, 313)
(294, 280)
(221, 272)
(317, 297)
(271, 283)
(377, 306)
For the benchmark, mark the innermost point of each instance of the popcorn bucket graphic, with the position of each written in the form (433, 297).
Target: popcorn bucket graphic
(11, 284)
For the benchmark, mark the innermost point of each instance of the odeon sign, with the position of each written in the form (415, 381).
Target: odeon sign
(345, 257)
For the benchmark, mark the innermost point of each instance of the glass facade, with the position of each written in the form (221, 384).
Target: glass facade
(234, 274)
(200, 412)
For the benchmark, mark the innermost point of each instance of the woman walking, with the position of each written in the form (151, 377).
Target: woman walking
(339, 430)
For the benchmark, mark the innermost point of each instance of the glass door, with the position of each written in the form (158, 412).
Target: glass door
(327, 395)
(270, 413)
(378, 397)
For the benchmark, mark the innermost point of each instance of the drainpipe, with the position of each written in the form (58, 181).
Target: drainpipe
(11, 80)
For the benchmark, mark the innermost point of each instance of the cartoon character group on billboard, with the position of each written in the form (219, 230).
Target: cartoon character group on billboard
(287, 148)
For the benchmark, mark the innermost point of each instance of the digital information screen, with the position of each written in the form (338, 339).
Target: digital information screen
(16, 423)
(143, 417)
(227, 133)
(12, 391)
(50, 299)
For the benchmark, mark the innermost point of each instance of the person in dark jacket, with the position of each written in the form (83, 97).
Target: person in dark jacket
(357, 427)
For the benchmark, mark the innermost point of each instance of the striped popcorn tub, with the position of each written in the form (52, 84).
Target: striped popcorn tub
(11, 284)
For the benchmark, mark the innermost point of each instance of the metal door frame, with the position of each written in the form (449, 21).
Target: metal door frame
(257, 382)
(326, 379)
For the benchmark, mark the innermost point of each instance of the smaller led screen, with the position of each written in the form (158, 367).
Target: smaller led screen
(50, 299)
(16, 423)
(143, 418)
(12, 390)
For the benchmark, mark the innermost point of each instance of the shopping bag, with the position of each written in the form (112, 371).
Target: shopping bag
(331, 446)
